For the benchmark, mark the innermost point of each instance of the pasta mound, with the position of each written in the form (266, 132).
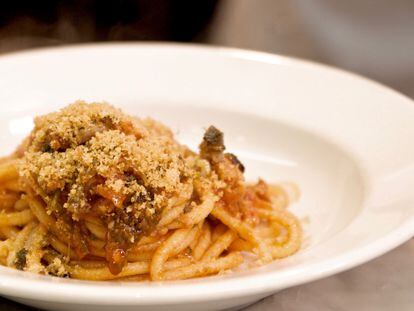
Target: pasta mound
(91, 160)
(95, 194)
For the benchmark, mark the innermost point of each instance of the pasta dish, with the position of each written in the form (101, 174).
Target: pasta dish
(95, 194)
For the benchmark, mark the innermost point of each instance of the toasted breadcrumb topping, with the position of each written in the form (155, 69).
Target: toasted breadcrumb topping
(57, 268)
(91, 159)
(77, 123)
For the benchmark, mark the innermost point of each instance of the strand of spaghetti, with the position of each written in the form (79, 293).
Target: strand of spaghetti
(96, 274)
(196, 237)
(282, 235)
(220, 245)
(201, 211)
(98, 252)
(176, 205)
(62, 248)
(235, 224)
(177, 242)
(273, 232)
(34, 245)
(89, 264)
(8, 171)
(294, 231)
(136, 253)
(283, 217)
(12, 185)
(7, 200)
(204, 268)
(19, 242)
(99, 244)
(63, 234)
(278, 196)
(21, 205)
(93, 220)
(146, 247)
(169, 215)
(151, 239)
(176, 224)
(38, 210)
(218, 231)
(270, 230)
(130, 269)
(136, 278)
(177, 263)
(9, 231)
(5, 246)
(203, 242)
(185, 243)
(239, 245)
(243, 230)
(259, 203)
(150, 243)
(16, 219)
(142, 256)
(96, 229)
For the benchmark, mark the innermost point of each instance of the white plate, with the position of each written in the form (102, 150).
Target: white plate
(347, 141)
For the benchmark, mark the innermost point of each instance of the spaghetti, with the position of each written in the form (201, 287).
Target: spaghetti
(98, 195)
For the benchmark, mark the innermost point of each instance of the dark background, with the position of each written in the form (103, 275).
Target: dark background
(372, 37)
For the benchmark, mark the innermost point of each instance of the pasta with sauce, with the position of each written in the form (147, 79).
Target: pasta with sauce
(95, 194)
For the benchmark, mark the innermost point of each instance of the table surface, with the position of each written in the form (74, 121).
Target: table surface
(386, 283)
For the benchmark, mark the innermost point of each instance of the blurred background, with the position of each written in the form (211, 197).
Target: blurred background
(372, 37)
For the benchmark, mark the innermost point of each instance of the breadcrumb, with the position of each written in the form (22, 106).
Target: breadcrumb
(91, 159)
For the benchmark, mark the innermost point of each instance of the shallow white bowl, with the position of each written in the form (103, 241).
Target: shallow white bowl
(345, 140)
